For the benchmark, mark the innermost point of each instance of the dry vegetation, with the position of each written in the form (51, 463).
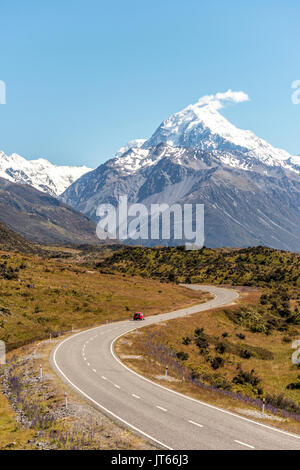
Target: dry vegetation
(42, 296)
(11, 434)
(39, 296)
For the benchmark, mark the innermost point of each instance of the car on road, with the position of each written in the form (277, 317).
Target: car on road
(139, 316)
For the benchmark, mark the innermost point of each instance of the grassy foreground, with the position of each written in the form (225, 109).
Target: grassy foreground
(39, 296)
(11, 434)
(41, 420)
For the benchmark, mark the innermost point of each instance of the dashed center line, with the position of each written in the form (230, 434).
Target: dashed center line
(161, 408)
(117, 386)
(136, 396)
(196, 424)
(243, 444)
(104, 378)
(94, 370)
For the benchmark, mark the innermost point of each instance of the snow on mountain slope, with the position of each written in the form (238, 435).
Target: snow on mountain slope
(250, 190)
(136, 143)
(202, 126)
(41, 174)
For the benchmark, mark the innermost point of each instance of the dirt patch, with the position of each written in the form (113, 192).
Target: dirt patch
(167, 378)
(259, 415)
(131, 356)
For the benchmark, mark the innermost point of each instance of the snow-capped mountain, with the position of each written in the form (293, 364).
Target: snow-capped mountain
(41, 174)
(250, 189)
(201, 126)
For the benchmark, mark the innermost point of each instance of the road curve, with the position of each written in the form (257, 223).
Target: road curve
(86, 362)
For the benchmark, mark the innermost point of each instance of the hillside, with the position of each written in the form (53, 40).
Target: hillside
(11, 241)
(257, 266)
(276, 272)
(39, 296)
(41, 218)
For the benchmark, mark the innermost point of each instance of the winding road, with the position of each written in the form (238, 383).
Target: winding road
(86, 361)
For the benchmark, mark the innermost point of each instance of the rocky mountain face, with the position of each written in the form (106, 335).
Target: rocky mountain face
(42, 218)
(250, 190)
(41, 174)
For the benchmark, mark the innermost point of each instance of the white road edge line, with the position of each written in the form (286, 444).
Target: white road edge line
(98, 404)
(161, 408)
(196, 424)
(243, 444)
(193, 399)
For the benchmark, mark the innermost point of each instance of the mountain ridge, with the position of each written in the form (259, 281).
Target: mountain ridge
(251, 190)
(41, 218)
(40, 174)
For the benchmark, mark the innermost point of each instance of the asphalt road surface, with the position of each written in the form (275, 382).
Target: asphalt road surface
(86, 362)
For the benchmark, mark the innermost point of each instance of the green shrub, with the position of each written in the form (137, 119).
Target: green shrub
(182, 356)
(245, 354)
(186, 340)
(244, 377)
(240, 336)
(221, 347)
(217, 362)
(202, 342)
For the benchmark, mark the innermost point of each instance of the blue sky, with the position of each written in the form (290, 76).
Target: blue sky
(84, 77)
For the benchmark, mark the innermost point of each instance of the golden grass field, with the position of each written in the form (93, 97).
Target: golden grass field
(51, 295)
(10, 431)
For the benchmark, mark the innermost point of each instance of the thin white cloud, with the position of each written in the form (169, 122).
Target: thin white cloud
(219, 100)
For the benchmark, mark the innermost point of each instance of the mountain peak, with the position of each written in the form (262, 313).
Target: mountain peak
(202, 126)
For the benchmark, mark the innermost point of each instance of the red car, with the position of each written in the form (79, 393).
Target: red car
(139, 316)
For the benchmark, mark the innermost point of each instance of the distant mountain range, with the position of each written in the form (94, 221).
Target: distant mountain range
(251, 190)
(41, 174)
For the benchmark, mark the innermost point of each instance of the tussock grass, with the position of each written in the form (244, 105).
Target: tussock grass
(12, 435)
(43, 296)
